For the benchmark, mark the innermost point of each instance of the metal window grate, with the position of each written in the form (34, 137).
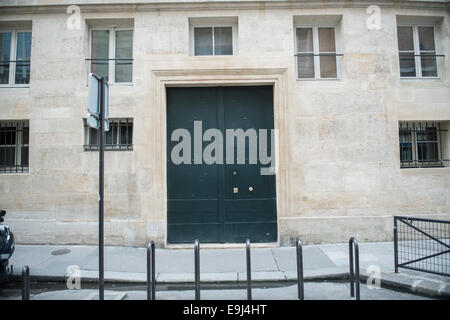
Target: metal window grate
(118, 138)
(14, 146)
(422, 244)
(421, 145)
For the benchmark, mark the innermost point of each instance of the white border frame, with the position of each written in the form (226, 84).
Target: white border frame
(277, 77)
(13, 54)
(416, 43)
(316, 50)
(112, 53)
(234, 40)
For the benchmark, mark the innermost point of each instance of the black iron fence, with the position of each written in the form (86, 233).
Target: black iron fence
(422, 244)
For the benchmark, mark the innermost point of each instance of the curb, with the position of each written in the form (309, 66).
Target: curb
(400, 282)
(425, 287)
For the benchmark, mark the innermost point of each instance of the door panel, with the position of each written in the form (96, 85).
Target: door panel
(192, 190)
(202, 203)
(249, 214)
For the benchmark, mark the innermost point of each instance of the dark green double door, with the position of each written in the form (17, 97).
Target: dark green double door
(219, 202)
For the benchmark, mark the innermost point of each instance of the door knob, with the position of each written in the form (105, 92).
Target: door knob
(250, 189)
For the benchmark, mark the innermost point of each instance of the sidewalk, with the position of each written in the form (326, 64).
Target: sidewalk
(125, 264)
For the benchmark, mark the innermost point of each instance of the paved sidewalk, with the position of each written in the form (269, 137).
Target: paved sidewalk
(313, 291)
(126, 264)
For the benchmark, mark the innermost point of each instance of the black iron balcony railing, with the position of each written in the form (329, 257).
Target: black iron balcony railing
(424, 163)
(22, 71)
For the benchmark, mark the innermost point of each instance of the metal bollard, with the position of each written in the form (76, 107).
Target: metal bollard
(26, 283)
(301, 293)
(151, 279)
(354, 276)
(395, 246)
(249, 271)
(197, 269)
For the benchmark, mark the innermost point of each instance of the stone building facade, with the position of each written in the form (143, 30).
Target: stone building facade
(345, 166)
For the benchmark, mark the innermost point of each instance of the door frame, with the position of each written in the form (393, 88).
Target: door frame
(161, 79)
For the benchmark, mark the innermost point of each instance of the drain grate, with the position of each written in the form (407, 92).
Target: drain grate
(60, 252)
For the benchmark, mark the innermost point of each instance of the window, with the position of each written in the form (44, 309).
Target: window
(14, 139)
(420, 145)
(215, 41)
(119, 136)
(417, 51)
(15, 55)
(316, 53)
(112, 54)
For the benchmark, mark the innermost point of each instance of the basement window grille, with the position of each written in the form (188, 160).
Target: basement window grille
(118, 138)
(421, 145)
(14, 146)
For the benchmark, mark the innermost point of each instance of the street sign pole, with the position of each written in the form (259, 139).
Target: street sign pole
(100, 196)
(97, 119)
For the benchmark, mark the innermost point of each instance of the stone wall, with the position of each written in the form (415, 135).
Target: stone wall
(340, 173)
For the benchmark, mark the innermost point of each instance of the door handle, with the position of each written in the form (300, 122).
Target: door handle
(250, 189)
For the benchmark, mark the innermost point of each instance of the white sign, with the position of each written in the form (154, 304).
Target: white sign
(94, 103)
(94, 95)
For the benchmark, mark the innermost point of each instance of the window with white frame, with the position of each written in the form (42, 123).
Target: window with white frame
(118, 137)
(316, 55)
(15, 57)
(111, 54)
(417, 51)
(421, 145)
(14, 145)
(213, 40)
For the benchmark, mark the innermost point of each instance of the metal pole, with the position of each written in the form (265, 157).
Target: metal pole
(151, 279)
(350, 252)
(249, 271)
(26, 283)
(355, 243)
(197, 269)
(149, 271)
(354, 275)
(301, 294)
(395, 245)
(101, 192)
(153, 271)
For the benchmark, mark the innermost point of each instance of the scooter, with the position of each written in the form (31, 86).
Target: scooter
(6, 249)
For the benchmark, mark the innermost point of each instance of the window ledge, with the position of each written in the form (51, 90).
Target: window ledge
(14, 173)
(128, 84)
(93, 148)
(117, 84)
(318, 79)
(412, 79)
(434, 170)
(14, 86)
(210, 56)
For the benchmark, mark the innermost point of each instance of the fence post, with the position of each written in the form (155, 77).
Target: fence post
(197, 269)
(151, 279)
(395, 245)
(301, 294)
(26, 283)
(354, 276)
(249, 270)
